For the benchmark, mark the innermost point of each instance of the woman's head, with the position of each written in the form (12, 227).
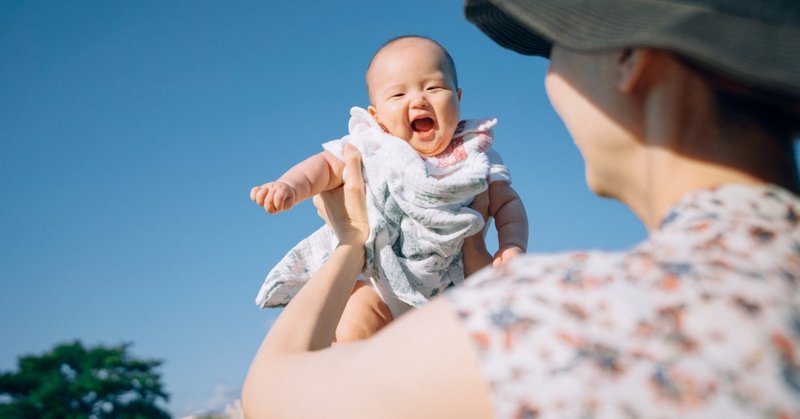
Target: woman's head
(659, 90)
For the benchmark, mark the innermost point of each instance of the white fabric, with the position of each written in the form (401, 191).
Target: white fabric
(418, 211)
(498, 171)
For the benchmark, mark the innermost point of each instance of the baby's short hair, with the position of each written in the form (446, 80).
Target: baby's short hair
(449, 59)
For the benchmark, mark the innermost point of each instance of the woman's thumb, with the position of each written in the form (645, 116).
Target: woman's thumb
(352, 163)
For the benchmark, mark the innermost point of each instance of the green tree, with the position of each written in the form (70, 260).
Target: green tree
(73, 381)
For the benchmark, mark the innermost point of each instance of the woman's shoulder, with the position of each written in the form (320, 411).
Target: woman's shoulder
(701, 314)
(552, 329)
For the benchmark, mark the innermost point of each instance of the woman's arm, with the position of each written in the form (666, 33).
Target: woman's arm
(421, 366)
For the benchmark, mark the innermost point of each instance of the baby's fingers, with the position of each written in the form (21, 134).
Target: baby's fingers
(261, 193)
(282, 199)
(497, 261)
(269, 202)
(506, 255)
(254, 193)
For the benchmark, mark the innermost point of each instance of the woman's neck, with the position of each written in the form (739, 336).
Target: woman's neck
(686, 148)
(670, 176)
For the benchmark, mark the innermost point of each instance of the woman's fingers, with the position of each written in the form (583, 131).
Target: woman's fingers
(352, 163)
(320, 206)
(355, 197)
(345, 207)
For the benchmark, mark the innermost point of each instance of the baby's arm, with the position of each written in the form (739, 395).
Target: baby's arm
(320, 172)
(476, 256)
(510, 220)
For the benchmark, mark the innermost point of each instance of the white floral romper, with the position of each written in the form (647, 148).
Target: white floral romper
(702, 320)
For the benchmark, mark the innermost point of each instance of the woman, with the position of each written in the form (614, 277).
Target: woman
(686, 111)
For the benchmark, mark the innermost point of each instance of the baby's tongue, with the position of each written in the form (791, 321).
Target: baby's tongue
(423, 125)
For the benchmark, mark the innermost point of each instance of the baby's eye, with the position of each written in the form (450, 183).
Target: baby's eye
(433, 88)
(396, 95)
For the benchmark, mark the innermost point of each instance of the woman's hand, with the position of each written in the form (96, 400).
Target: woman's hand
(309, 321)
(344, 209)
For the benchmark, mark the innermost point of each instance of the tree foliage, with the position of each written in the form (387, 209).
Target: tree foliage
(73, 381)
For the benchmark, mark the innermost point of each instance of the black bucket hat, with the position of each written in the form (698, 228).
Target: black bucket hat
(754, 41)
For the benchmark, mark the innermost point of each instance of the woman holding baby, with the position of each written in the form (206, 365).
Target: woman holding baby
(687, 112)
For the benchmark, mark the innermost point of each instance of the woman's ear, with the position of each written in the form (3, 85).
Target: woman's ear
(631, 66)
(458, 92)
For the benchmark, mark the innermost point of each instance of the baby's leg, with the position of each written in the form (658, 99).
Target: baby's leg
(364, 314)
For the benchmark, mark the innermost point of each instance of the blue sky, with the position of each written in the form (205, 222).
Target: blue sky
(131, 133)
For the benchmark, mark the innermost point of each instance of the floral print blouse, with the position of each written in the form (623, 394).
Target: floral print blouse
(700, 320)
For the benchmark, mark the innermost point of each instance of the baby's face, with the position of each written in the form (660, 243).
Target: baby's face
(414, 96)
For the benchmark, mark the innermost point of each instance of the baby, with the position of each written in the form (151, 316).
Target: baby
(414, 96)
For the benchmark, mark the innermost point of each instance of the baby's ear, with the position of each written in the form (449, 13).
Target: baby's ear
(374, 112)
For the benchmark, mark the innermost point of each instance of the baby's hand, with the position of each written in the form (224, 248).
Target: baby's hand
(274, 196)
(505, 254)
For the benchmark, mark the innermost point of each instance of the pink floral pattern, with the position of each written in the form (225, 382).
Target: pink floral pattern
(700, 320)
(478, 131)
(472, 134)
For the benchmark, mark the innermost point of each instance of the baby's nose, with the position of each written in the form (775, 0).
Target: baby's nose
(418, 101)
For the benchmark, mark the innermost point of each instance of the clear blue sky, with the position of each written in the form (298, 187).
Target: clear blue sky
(131, 133)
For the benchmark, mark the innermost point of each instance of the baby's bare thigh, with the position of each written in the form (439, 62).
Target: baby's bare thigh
(364, 314)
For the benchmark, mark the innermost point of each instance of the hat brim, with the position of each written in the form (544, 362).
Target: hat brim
(756, 52)
(495, 22)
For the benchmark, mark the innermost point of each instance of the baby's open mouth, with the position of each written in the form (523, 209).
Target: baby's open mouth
(422, 124)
